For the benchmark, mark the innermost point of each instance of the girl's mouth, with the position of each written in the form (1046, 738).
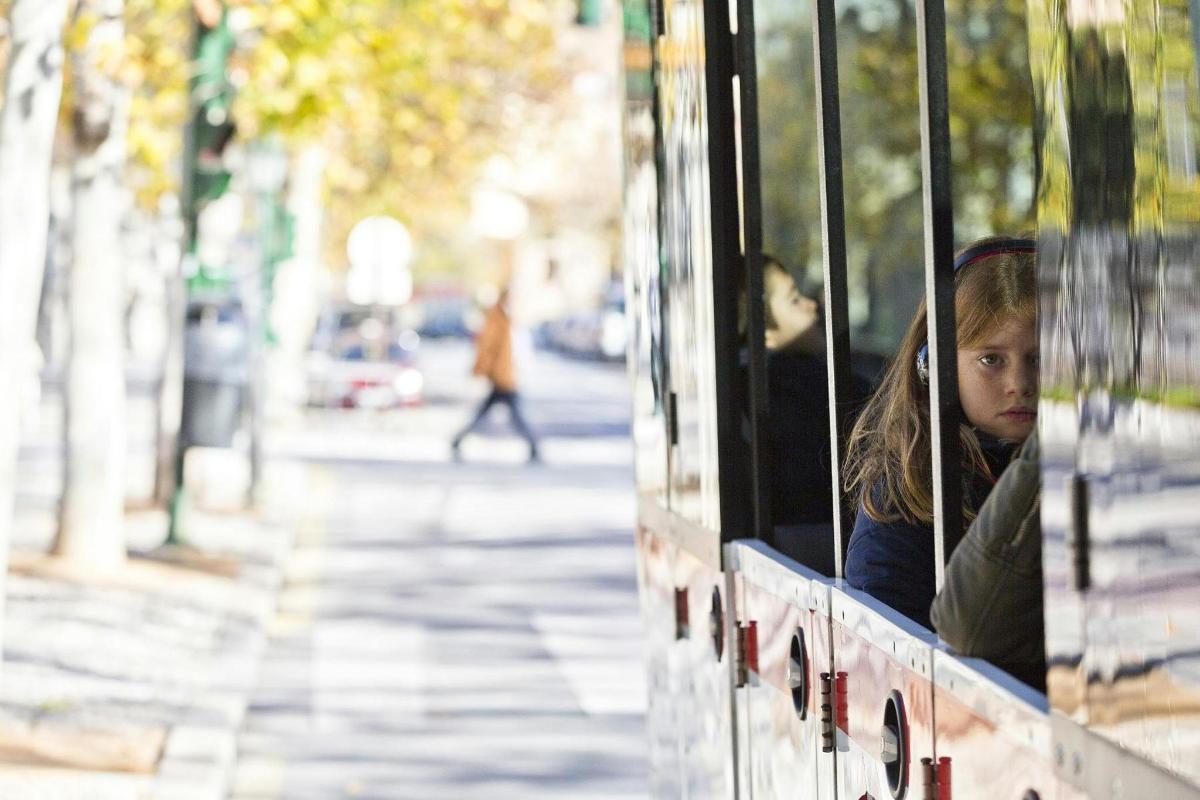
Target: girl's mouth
(1020, 414)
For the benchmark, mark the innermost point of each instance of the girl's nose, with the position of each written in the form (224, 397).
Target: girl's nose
(1023, 380)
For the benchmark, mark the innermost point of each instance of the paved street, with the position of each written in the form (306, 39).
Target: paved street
(458, 630)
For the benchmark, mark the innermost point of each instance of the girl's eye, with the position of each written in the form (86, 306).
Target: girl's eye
(989, 360)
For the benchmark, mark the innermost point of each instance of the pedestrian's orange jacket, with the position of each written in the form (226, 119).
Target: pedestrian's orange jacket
(493, 348)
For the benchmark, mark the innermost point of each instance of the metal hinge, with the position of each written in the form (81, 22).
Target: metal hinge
(1081, 547)
(828, 734)
(672, 418)
(682, 627)
(747, 641)
(935, 779)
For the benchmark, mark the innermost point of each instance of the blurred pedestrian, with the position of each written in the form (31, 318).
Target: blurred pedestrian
(494, 361)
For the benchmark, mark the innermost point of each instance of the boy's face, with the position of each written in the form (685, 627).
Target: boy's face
(794, 314)
(998, 381)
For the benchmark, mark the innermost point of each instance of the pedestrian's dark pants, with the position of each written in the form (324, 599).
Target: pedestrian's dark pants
(511, 400)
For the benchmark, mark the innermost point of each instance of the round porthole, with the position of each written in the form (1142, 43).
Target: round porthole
(716, 624)
(893, 745)
(798, 674)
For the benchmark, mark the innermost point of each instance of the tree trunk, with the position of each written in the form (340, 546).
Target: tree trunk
(33, 86)
(91, 522)
(169, 399)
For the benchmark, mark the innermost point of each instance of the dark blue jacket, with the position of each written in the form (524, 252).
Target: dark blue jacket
(894, 561)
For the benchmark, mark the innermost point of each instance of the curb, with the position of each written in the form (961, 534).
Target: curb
(200, 756)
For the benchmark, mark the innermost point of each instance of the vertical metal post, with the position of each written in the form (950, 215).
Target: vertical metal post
(758, 404)
(833, 231)
(939, 281)
(724, 226)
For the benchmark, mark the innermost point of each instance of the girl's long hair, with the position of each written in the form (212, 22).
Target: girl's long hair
(888, 459)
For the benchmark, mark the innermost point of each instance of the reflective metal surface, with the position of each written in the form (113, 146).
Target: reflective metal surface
(643, 273)
(994, 729)
(687, 249)
(701, 684)
(1119, 221)
(780, 751)
(655, 558)
(784, 749)
(879, 652)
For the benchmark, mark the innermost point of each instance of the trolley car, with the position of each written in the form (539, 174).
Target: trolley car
(859, 142)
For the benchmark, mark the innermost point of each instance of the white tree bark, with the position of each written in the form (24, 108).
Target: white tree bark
(33, 88)
(91, 523)
(169, 400)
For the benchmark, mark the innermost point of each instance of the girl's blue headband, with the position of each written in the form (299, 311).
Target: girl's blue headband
(996, 247)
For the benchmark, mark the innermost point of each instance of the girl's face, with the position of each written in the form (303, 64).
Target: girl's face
(794, 315)
(998, 381)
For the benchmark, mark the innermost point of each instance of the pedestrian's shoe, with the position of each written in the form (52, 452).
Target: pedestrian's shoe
(455, 450)
(535, 457)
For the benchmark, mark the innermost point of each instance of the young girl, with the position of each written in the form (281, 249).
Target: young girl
(888, 463)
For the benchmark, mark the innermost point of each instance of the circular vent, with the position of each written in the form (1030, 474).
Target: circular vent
(716, 624)
(893, 745)
(798, 674)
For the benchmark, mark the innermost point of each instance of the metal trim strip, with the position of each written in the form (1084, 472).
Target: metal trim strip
(1104, 769)
(700, 542)
(771, 571)
(993, 695)
(900, 639)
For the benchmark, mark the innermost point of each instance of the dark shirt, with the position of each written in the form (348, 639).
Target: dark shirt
(894, 561)
(797, 441)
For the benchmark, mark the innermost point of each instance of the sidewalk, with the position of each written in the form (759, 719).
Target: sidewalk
(133, 684)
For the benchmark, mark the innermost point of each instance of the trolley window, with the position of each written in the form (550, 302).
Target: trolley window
(883, 215)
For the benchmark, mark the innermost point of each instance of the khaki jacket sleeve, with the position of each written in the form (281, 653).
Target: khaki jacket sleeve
(991, 604)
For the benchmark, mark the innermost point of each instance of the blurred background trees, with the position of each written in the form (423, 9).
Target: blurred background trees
(32, 86)
(290, 123)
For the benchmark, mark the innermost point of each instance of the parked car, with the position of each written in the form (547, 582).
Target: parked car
(598, 334)
(359, 360)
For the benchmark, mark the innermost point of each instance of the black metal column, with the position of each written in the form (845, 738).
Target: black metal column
(758, 404)
(833, 230)
(737, 516)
